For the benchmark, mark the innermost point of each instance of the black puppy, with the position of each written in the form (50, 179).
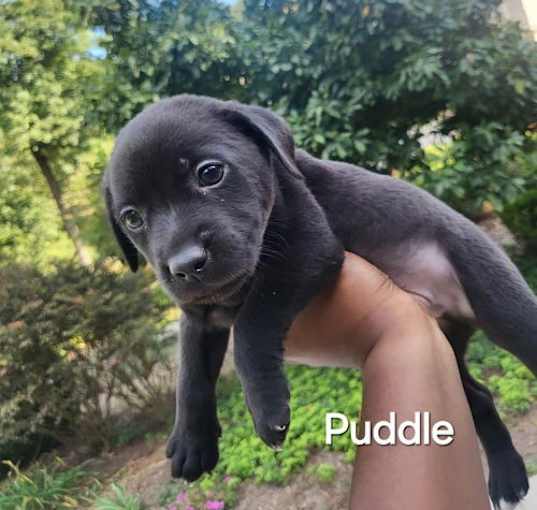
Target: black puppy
(243, 230)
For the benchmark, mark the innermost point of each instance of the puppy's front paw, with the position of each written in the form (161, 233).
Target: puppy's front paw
(192, 454)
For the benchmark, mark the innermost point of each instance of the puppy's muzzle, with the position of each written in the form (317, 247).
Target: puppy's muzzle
(189, 263)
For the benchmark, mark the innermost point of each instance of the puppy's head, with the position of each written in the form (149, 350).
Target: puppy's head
(191, 185)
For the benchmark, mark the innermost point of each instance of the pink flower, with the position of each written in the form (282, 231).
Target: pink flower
(172, 507)
(181, 497)
(215, 505)
(190, 508)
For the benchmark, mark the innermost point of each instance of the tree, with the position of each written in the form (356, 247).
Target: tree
(358, 80)
(364, 81)
(159, 49)
(48, 83)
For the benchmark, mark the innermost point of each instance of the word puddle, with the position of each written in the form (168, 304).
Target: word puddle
(419, 431)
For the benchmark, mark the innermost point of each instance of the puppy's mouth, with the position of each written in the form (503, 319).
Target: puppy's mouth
(230, 289)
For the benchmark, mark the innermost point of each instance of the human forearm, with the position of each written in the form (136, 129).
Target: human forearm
(410, 369)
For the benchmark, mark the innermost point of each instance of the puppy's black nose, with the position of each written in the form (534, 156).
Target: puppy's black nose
(188, 263)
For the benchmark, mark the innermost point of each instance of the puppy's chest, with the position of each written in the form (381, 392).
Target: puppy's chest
(221, 317)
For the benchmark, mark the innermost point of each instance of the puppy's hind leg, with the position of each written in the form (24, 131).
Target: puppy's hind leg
(508, 480)
(502, 301)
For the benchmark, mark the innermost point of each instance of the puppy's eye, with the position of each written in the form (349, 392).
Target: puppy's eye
(132, 219)
(210, 174)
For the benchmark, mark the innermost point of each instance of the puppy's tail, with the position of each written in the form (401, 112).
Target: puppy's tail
(504, 305)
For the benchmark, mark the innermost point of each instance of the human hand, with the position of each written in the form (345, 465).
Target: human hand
(341, 325)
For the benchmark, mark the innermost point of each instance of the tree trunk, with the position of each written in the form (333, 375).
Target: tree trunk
(69, 225)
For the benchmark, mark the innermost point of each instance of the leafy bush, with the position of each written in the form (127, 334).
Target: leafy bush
(521, 217)
(42, 488)
(244, 457)
(364, 81)
(482, 165)
(358, 80)
(74, 344)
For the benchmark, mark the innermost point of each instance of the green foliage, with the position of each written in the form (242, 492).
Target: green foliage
(49, 84)
(126, 433)
(244, 456)
(511, 382)
(45, 488)
(492, 149)
(521, 217)
(325, 473)
(360, 81)
(363, 81)
(47, 78)
(531, 467)
(357, 80)
(120, 500)
(158, 49)
(317, 391)
(72, 342)
(27, 218)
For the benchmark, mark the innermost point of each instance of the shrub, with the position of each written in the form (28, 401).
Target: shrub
(451, 169)
(364, 81)
(521, 217)
(358, 80)
(74, 344)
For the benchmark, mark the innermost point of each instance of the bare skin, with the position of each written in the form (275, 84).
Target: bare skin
(367, 322)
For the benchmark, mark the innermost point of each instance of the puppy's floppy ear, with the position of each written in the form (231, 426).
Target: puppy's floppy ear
(267, 129)
(129, 250)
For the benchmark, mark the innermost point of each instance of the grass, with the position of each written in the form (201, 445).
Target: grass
(56, 487)
(531, 466)
(45, 488)
(120, 500)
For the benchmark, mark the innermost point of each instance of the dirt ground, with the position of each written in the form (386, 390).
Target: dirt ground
(143, 469)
